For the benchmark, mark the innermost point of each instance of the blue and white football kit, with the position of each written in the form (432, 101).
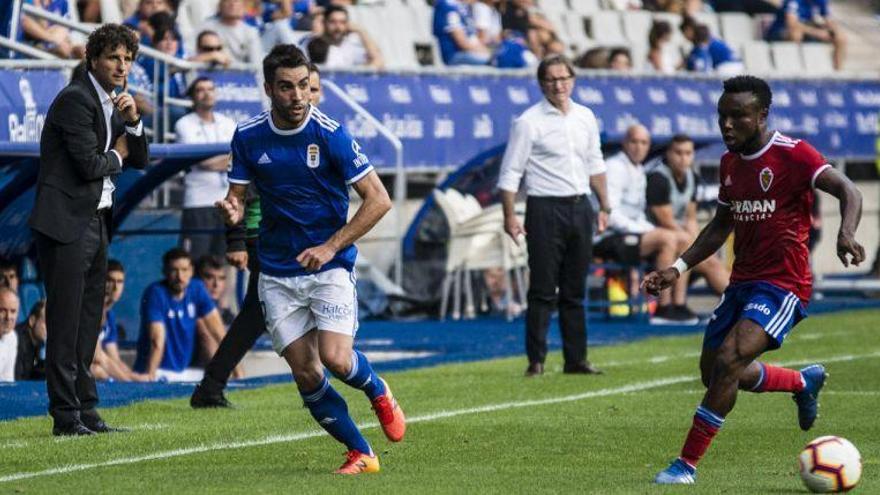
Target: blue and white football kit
(302, 176)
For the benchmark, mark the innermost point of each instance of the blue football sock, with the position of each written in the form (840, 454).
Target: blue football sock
(363, 377)
(331, 412)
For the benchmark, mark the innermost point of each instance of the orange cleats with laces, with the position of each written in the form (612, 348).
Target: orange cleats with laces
(357, 463)
(390, 415)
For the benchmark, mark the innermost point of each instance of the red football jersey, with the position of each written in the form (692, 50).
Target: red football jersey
(770, 195)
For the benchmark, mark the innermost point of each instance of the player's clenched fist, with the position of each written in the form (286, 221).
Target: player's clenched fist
(657, 281)
(314, 258)
(232, 209)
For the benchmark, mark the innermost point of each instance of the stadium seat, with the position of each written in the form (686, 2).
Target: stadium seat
(110, 11)
(606, 28)
(636, 26)
(554, 7)
(586, 7)
(396, 45)
(817, 58)
(737, 28)
(198, 10)
(756, 57)
(574, 26)
(787, 58)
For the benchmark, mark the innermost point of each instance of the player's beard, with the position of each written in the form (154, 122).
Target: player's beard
(292, 117)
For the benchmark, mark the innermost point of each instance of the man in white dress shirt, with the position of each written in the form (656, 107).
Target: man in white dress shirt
(631, 236)
(206, 182)
(555, 143)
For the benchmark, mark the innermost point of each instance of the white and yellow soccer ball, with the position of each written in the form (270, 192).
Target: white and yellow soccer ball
(830, 464)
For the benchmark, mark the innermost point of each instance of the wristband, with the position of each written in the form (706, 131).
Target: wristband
(681, 266)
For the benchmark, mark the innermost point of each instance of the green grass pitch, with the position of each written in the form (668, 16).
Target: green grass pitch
(481, 428)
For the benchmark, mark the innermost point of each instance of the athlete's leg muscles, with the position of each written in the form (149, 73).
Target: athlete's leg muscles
(350, 366)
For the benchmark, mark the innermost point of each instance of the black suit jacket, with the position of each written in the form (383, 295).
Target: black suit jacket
(73, 163)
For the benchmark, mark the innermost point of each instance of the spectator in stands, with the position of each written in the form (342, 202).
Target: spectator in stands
(662, 55)
(672, 203)
(107, 362)
(282, 18)
(594, 58)
(30, 361)
(453, 26)
(630, 236)
(620, 60)
(348, 46)
(209, 49)
(47, 36)
(9, 278)
(206, 182)
(487, 21)
(140, 20)
(709, 54)
(212, 272)
(242, 40)
(524, 17)
(808, 20)
(170, 309)
(8, 337)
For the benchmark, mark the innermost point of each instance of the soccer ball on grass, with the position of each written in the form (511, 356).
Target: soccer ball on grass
(830, 464)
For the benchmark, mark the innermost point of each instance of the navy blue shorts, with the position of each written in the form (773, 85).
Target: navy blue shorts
(775, 309)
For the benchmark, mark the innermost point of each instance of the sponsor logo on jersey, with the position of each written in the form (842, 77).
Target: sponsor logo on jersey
(313, 155)
(753, 210)
(264, 159)
(766, 178)
(360, 159)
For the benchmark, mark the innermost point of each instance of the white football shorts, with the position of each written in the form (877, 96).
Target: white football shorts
(294, 305)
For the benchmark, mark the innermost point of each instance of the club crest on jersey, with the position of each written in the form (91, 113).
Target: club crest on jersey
(766, 178)
(313, 155)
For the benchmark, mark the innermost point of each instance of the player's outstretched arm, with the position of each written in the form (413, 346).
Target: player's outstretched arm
(838, 185)
(711, 238)
(376, 204)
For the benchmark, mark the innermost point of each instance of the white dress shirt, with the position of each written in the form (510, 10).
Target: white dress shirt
(107, 106)
(626, 183)
(557, 152)
(8, 355)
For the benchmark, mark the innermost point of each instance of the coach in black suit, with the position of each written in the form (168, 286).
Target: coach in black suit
(90, 130)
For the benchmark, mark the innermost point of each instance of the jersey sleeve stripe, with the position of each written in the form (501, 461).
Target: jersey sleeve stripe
(359, 176)
(242, 182)
(816, 174)
(321, 115)
(248, 125)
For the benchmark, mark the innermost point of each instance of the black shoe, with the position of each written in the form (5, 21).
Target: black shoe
(71, 430)
(582, 369)
(202, 399)
(535, 369)
(671, 315)
(685, 315)
(101, 427)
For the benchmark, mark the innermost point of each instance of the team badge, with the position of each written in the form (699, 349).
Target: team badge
(766, 178)
(313, 156)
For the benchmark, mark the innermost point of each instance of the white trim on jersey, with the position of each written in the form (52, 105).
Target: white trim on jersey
(816, 174)
(325, 121)
(784, 140)
(247, 124)
(359, 176)
(295, 130)
(761, 151)
(240, 182)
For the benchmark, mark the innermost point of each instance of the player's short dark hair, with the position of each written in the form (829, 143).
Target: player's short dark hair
(282, 56)
(333, 9)
(680, 138)
(208, 262)
(114, 265)
(173, 255)
(551, 60)
(318, 48)
(108, 37)
(751, 84)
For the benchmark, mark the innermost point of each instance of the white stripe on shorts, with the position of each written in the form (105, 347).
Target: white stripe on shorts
(783, 316)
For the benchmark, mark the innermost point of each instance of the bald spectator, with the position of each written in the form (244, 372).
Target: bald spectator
(242, 40)
(30, 363)
(630, 236)
(8, 336)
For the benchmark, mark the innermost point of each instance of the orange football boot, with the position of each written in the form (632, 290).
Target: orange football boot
(390, 415)
(357, 462)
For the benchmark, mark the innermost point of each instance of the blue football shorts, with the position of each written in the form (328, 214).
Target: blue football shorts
(775, 309)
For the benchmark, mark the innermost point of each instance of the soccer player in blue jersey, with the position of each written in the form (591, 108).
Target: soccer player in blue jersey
(302, 163)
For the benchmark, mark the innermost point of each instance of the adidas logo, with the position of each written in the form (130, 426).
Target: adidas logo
(264, 159)
(327, 421)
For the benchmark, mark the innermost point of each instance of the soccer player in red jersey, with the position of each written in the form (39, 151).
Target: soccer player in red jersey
(766, 194)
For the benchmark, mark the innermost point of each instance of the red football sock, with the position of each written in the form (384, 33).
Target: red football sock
(778, 379)
(698, 441)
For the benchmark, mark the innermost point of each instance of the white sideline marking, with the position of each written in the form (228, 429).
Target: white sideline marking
(634, 387)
